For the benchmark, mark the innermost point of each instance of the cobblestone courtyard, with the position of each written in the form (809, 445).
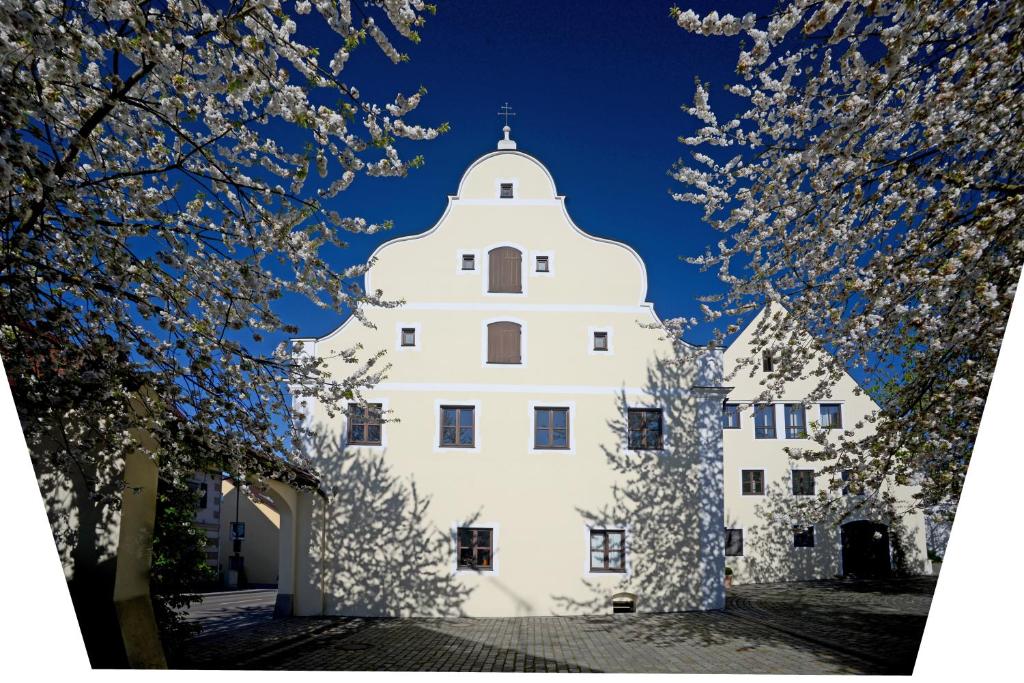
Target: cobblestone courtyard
(870, 627)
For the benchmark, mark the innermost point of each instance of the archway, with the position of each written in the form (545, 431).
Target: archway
(865, 549)
(285, 500)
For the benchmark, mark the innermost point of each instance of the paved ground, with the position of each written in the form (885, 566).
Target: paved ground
(817, 627)
(233, 610)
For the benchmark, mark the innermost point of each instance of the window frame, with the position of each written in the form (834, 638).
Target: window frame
(510, 187)
(787, 409)
(351, 423)
(469, 258)
(475, 568)
(524, 270)
(739, 422)
(846, 489)
(542, 259)
(606, 550)
(800, 536)
(725, 541)
(839, 414)
(743, 483)
(461, 402)
(400, 328)
(767, 361)
(551, 429)
(661, 428)
(408, 333)
(767, 409)
(485, 357)
(793, 481)
(602, 335)
(458, 426)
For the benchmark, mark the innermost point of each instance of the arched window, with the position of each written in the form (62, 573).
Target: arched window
(503, 341)
(505, 266)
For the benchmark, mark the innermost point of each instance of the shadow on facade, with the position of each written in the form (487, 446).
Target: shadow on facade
(669, 500)
(377, 552)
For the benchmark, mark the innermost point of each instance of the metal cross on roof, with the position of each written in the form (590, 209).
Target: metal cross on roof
(506, 111)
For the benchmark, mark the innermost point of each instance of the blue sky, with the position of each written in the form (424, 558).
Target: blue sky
(598, 90)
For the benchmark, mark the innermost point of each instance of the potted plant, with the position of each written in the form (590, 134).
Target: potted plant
(728, 577)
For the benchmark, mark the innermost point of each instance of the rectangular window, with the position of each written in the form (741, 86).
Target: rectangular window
(831, 416)
(457, 426)
(803, 482)
(506, 190)
(731, 416)
(600, 341)
(475, 550)
(201, 489)
(764, 421)
(734, 542)
(796, 427)
(408, 336)
(607, 550)
(550, 427)
(364, 424)
(753, 482)
(851, 486)
(803, 537)
(505, 270)
(542, 264)
(503, 343)
(766, 361)
(469, 262)
(645, 429)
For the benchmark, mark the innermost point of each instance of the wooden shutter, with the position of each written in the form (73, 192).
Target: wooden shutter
(505, 266)
(503, 340)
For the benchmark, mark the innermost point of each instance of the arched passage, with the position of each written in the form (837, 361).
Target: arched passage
(865, 549)
(286, 501)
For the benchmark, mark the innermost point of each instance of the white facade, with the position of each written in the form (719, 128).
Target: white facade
(387, 540)
(767, 517)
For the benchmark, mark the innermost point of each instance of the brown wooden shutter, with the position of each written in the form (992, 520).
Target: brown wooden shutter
(503, 339)
(505, 270)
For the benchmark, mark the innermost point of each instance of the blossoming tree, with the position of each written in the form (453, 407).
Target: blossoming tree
(871, 184)
(160, 199)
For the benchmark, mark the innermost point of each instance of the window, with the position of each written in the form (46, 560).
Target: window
(644, 429)
(469, 262)
(730, 416)
(752, 482)
(766, 361)
(600, 341)
(851, 485)
(607, 550)
(408, 336)
(831, 416)
(543, 266)
(764, 421)
(796, 428)
(457, 426)
(550, 427)
(474, 548)
(364, 424)
(803, 482)
(201, 489)
(503, 339)
(734, 542)
(506, 190)
(505, 270)
(803, 537)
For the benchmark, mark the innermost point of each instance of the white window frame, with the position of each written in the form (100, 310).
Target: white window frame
(495, 535)
(607, 329)
(571, 405)
(627, 539)
(522, 342)
(383, 427)
(416, 335)
(485, 268)
(477, 433)
(475, 253)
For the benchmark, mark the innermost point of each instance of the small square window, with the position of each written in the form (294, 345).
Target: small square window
(506, 190)
(475, 548)
(645, 429)
(766, 361)
(551, 428)
(600, 341)
(851, 485)
(469, 262)
(408, 336)
(607, 550)
(831, 416)
(753, 482)
(734, 542)
(803, 537)
(364, 424)
(803, 482)
(543, 266)
(458, 426)
(731, 416)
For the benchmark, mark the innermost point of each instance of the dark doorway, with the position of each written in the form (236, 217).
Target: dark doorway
(866, 549)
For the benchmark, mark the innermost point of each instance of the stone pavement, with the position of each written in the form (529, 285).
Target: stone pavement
(819, 627)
